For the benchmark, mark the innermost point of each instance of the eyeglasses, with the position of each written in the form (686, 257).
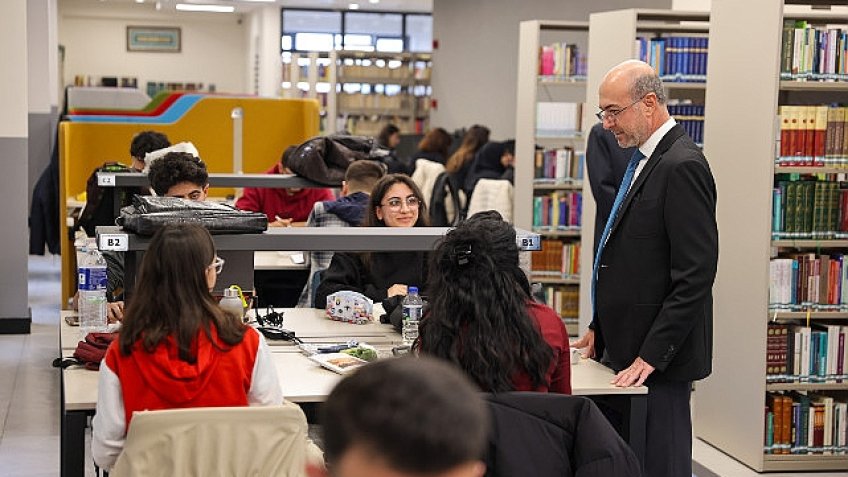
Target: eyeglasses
(611, 114)
(396, 203)
(218, 265)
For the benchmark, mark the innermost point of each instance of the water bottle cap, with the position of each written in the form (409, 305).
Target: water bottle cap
(230, 292)
(413, 290)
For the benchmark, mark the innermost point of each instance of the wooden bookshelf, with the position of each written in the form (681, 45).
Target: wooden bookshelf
(811, 169)
(611, 41)
(746, 108)
(546, 279)
(572, 185)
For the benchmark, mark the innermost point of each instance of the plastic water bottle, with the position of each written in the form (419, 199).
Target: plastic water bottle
(231, 303)
(412, 310)
(92, 289)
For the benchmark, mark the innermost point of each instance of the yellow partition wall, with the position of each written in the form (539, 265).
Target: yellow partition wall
(268, 126)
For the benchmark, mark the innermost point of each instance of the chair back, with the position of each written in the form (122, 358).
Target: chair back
(425, 175)
(492, 194)
(220, 441)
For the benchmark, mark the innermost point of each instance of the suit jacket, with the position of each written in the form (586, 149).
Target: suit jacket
(655, 277)
(606, 162)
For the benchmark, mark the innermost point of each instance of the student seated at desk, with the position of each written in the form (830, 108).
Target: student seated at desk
(346, 211)
(177, 348)
(483, 318)
(284, 207)
(176, 174)
(395, 202)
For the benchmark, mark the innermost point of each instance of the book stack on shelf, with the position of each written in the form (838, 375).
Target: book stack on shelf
(813, 136)
(690, 116)
(809, 207)
(789, 411)
(561, 61)
(675, 58)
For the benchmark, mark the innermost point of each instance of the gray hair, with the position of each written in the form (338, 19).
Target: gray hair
(648, 83)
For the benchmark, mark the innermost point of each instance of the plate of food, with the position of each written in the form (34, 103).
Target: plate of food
(341, 363)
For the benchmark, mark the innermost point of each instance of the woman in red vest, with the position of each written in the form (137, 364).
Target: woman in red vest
(177, 348)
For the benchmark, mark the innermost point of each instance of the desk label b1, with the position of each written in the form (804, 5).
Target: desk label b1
(114, 242)
(105, 180)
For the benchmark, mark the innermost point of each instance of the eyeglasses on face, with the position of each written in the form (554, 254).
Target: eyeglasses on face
(218, 265)
(396, 203)
(612, 113)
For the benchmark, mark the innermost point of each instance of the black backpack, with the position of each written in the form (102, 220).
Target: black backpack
(100, 201)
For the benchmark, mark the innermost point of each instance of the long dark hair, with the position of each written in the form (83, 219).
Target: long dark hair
(381, 188)
(472, 141)
(437, 140)
(172, 296)
(478, 315)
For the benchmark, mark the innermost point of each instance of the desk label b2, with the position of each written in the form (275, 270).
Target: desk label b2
(114, 242)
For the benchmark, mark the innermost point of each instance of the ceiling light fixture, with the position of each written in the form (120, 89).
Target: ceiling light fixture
(139, 1)
(373, 1)
(353, 6)
(191, 7)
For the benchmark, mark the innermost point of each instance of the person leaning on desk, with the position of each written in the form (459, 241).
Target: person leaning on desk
(395, 202)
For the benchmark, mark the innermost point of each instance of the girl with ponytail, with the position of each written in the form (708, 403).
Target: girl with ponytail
(482, 317)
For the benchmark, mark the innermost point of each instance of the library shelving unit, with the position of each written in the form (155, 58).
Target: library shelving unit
(741, 144)
(612, 39)
(373, 89)
(534, 88)
(312, 75)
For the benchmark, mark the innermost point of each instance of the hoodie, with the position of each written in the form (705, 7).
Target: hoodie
(222, 375)
(350, 208)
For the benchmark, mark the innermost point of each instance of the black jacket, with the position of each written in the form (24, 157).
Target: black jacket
(556, 435)
(347, 271)
(606, 162)
(656, 271)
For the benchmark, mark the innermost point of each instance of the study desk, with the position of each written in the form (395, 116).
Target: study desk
(304, 381)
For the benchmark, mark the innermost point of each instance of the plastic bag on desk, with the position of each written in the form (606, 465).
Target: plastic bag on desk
(148, 214)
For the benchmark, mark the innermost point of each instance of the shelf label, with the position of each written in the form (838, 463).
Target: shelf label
(114, 242)
(105, 179)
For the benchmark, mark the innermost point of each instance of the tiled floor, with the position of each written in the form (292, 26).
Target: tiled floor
(29, 394)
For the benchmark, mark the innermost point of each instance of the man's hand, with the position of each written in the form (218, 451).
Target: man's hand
(635, 375)
(280, 222)
(397, 289)
(115, 311)
(587, 344)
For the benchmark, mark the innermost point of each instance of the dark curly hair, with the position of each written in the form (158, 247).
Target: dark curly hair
(174, 168)
(478, 315)
(147, 141)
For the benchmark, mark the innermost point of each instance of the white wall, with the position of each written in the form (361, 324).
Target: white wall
(41, 57)
(13, 73)
(264, 66)
(691, 5)
(214, 49)
(475, 68)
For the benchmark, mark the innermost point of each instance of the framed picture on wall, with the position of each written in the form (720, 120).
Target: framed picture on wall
(153, 38)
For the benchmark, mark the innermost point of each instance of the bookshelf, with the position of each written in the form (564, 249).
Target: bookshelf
(312, 75)
(373, 89)
(741, 143)
(553, 76)
(612, 38)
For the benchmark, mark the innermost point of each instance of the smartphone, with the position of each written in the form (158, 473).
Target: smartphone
(72, 320)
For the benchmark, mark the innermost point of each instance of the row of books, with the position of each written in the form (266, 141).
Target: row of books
(566, 302)
(558, 119)
(562, 60)
(558, 164)
(813, 136)
(808, 279)
(813, 52)
(809, 208)
(799, 423)
(558, 210)
(691, 118)
(556, 259)
(676, 58)
(806, 354)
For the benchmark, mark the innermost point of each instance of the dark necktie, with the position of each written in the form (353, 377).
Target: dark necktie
(616, 205)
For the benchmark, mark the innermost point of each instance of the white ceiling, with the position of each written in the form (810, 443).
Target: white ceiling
(245, 5)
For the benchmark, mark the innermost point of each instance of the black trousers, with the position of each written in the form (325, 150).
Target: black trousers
(668, 451)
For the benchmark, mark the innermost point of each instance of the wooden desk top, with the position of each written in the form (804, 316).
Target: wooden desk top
(278, 261)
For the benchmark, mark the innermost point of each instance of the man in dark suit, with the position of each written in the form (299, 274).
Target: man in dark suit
(605, 165)
(655, 265)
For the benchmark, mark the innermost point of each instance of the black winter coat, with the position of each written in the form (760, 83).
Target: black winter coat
(554, 435)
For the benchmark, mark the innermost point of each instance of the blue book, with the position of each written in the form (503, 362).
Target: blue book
(777, 211)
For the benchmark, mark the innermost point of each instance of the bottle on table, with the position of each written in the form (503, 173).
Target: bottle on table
(92, 289)
(231, 303)
(412, 307)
